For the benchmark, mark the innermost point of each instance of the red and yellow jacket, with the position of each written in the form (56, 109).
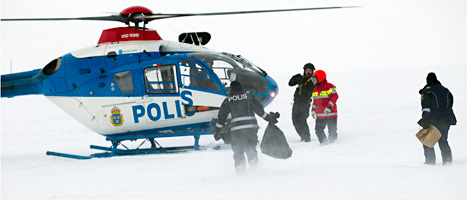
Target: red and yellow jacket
(325, 95)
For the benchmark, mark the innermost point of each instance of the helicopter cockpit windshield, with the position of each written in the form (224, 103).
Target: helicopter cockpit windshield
(229, 67)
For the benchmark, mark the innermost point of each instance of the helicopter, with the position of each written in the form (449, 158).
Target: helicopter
(134, 85)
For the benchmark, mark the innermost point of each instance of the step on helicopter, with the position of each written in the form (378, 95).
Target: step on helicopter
(134, 85)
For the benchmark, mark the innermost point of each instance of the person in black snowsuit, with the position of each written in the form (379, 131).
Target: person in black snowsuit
(437, 110)
(302, 101)
(242, 106)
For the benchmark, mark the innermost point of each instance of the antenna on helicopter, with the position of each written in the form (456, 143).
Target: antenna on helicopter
(197, 37)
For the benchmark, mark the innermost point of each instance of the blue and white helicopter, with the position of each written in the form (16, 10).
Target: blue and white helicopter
(135, 85)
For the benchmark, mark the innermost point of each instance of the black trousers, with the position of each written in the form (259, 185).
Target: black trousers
(300, 112)
(244, 143)
(332, 129)
(446, 154)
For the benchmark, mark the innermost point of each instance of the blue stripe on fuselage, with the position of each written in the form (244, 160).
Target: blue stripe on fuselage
(196, 127)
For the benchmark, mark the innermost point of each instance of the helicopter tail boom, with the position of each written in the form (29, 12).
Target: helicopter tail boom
(23, 83)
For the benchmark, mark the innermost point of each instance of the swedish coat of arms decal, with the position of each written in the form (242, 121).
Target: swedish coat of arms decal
(116, 118)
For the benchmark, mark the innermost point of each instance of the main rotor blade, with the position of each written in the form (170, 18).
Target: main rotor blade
(155, 16)
(103, 18)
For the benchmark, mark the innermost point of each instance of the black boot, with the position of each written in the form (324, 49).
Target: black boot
(430, 157)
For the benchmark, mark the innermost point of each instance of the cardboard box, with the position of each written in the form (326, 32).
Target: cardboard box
(429, 136)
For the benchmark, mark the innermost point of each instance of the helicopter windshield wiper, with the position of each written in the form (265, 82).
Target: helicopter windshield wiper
(245, 62)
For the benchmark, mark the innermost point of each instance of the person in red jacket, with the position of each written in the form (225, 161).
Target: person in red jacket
(324, 108)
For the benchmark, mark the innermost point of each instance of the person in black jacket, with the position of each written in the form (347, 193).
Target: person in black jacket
(437, 110)
(242, 106)
(302, 101)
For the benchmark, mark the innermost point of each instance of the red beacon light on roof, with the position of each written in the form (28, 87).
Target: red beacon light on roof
(135, 9)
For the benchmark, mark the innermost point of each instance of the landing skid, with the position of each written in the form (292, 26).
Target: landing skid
(156, 148)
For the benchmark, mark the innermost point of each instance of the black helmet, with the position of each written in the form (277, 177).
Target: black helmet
(309, 66)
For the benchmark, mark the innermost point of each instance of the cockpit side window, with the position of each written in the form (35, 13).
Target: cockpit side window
(160, 80)
(194, 75)
(222, 70)
(124, 81)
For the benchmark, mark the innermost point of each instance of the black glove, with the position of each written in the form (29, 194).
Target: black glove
(217, 134)
(327, 110)
(273, 117)
(423, 122)
(277, 115)
(300, 80)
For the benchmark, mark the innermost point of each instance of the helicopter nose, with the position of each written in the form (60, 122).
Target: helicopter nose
(272, 91)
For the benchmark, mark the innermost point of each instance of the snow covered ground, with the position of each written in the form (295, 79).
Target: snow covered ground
(378, 56)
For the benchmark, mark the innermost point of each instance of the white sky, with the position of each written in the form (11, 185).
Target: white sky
(380, 34)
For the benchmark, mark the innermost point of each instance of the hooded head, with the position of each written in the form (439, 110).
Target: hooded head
(308, 69)
(431, 79)
(236, 86)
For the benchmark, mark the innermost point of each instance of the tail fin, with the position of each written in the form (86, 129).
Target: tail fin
(23, 83)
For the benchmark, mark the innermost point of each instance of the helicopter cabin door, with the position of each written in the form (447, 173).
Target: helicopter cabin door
(161, 103)
(201, 90)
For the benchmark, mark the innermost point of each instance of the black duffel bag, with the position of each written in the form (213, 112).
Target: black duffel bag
(274, 143)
